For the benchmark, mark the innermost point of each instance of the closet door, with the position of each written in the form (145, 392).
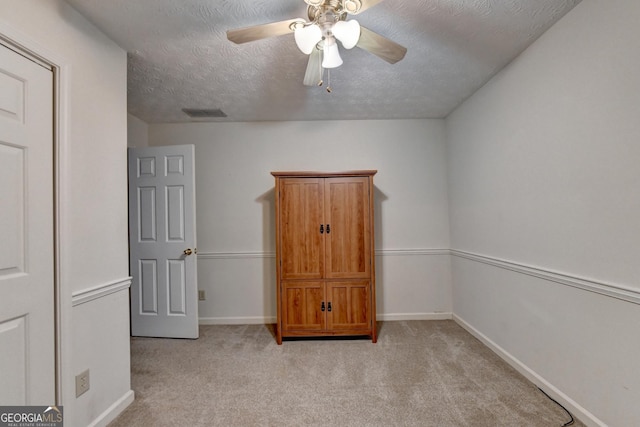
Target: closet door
(347, 228)
(27, 334)
(302, 241)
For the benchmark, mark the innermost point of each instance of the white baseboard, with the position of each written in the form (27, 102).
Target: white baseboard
(257, 320)
(578, 411)
(267, 254)
(391, 317)
(114, 410)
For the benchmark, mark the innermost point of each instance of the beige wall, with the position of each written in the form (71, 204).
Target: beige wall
(234, 193)
(544, 177)
(93, 201)
(137, 132)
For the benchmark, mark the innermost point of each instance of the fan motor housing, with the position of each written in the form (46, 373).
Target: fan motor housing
(332, 7)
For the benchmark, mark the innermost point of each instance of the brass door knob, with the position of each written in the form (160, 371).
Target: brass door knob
(188, 252)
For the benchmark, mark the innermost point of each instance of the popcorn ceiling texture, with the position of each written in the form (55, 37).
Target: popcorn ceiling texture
(179, 57)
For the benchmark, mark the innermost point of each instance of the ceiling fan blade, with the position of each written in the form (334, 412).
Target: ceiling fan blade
(313, 75)
(249, 34)
(366, 4)
(381, 46)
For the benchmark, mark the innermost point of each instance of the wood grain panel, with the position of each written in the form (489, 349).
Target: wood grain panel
(349, 305)
(347, 213)
(301, 306)
(302, 245)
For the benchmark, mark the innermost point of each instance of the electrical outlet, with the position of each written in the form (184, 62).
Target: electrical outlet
(82, 383)
(201, 295)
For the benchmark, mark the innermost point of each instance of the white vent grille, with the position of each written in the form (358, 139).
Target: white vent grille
(198, 113)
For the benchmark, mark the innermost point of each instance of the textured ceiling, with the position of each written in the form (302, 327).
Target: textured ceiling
(179, 57)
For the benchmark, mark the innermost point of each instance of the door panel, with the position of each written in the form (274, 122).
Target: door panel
(27, 346)
(15, 364)
(175, 213)
(147, 215)
(349, 305)
(302, 243)
(347, 215)
(301, 306)
(164, 291)
(12, 226)
(148, 279)
(177, 287)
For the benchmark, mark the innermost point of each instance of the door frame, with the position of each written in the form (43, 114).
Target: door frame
(26, 46)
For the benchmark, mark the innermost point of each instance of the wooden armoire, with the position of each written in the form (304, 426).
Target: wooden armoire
(325, 254)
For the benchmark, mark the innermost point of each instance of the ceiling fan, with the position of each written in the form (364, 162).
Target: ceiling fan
(316, 37)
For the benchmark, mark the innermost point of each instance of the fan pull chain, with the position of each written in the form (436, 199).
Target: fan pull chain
(329, 80)
(321, 72)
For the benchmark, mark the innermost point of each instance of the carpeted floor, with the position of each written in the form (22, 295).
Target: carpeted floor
(420, 373)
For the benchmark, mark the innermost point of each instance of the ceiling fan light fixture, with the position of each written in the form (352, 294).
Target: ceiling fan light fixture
(330, 54)
(352, 6)
(348, 32)
(307, 37)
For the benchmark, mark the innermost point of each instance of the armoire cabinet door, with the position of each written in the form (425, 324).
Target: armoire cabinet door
(302, 306)
(302, 244)
(350, 308)
(332, 306)
(348, 236)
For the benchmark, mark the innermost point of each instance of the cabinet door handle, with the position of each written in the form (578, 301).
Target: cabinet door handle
(328, 228)
(322, 229)
(322, 306)
(329, 306)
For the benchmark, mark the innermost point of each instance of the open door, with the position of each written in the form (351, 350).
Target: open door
(27, 335)
(162, 242)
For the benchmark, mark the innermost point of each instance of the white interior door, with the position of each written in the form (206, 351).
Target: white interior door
(27, 340)
(162, 240)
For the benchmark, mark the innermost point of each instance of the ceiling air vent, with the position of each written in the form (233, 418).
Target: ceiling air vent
(198, 113)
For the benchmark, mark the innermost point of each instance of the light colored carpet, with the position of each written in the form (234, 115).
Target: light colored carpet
(420, 373)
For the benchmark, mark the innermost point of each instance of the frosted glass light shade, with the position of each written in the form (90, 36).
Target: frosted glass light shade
(307, 37)
(348, 32)
(331, 55)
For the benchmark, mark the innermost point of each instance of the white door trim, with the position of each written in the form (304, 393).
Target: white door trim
(23, 44)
